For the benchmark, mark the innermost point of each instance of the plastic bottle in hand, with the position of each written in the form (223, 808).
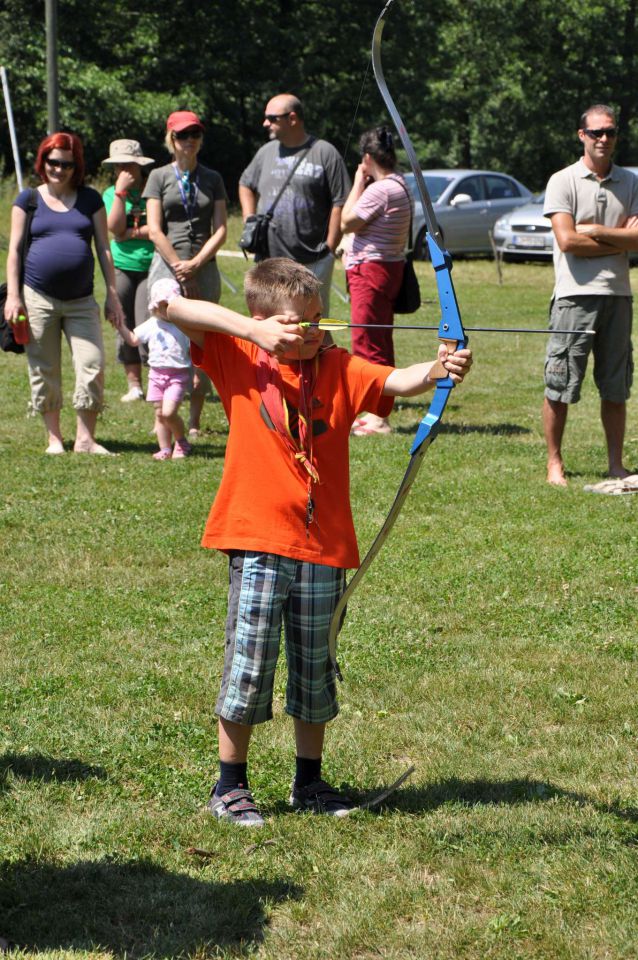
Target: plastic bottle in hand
(21, 329)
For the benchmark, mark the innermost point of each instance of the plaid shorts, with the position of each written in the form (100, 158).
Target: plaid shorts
(266, 590)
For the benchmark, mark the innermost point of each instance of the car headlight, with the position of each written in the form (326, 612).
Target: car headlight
(503, 222)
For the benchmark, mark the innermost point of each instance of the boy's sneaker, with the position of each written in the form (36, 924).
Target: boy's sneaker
(320, 797)
(237, 806)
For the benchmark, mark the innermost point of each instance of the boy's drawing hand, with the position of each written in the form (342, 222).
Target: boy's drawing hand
(278, 334)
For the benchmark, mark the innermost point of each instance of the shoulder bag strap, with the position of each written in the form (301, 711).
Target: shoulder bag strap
(304, 152)
(32, 204)
(407, 193)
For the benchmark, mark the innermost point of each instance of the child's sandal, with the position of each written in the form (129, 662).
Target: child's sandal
(164, 454)
(182, 449)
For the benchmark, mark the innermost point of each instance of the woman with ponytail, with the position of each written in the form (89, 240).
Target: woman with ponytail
(377, 212)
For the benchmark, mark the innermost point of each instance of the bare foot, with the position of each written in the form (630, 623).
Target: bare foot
(619, 473)
(55, 447)
(371, 423)
(359, 422)
(556, 473)
(91, 447)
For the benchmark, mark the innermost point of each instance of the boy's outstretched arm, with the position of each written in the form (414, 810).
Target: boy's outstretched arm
(198, 317)
(413, 380)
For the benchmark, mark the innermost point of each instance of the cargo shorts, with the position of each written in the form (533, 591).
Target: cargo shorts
(566, 358)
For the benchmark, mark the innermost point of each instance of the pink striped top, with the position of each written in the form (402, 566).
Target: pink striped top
(385, 206)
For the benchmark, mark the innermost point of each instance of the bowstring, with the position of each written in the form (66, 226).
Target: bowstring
(350, 133)
(310, 507)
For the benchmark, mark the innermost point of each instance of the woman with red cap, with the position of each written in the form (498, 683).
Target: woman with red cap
(186, 215)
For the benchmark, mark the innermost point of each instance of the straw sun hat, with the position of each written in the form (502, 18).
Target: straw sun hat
(127, 151)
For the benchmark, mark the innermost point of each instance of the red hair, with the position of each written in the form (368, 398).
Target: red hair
(61, 141)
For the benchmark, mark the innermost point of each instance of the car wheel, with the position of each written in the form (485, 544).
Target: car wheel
(421, 249)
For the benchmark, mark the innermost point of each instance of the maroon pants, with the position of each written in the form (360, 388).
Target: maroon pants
(373, 289)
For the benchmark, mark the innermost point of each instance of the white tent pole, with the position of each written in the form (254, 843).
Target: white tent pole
(12, 129)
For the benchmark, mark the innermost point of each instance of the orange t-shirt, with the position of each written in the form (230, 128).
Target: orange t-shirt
(262, 499)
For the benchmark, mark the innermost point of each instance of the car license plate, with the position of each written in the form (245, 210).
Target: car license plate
(529, 241)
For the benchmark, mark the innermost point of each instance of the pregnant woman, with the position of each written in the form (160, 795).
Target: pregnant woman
(57, 296)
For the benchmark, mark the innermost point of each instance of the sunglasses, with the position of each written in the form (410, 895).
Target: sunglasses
(60, 164)
(274, 117)
(610, 132)
(194, 133)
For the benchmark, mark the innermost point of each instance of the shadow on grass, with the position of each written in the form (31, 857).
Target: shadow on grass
(37, 766)
(495, 792)
(133, 909)
(404, 403)
(201, 448)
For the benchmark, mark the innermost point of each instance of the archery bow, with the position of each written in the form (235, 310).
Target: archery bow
(451, 333)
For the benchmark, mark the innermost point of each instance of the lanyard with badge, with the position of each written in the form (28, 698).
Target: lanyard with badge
(136, 216)
(188, 190)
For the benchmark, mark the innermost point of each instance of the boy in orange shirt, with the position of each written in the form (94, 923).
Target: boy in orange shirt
(282, 512)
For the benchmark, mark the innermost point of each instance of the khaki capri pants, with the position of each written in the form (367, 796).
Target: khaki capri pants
(79, 320)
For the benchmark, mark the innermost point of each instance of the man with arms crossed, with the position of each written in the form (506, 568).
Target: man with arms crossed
(306, 224)
(593, 206)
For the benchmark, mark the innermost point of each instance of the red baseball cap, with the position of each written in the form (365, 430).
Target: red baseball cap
(182, 120)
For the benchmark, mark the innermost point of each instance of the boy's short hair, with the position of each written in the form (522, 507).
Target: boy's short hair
(270, 285)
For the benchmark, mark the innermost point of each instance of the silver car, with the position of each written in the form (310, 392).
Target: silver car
(467, 204)
(525, 234)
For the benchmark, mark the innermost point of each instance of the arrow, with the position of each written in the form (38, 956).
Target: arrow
(330, 324)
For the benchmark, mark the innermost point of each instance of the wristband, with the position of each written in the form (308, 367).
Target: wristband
(122, 194)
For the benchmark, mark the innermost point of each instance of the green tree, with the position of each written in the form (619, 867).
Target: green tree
(495, 83)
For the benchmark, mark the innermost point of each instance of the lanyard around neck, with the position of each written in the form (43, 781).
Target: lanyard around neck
(188, 189)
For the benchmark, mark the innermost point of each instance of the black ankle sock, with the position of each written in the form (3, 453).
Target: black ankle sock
(231, 776)
(307, 771)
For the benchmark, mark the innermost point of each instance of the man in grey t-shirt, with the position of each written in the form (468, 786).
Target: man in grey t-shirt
(306, 224)
(593, 206)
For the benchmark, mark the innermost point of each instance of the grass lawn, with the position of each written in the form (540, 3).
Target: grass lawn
(493, 645)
